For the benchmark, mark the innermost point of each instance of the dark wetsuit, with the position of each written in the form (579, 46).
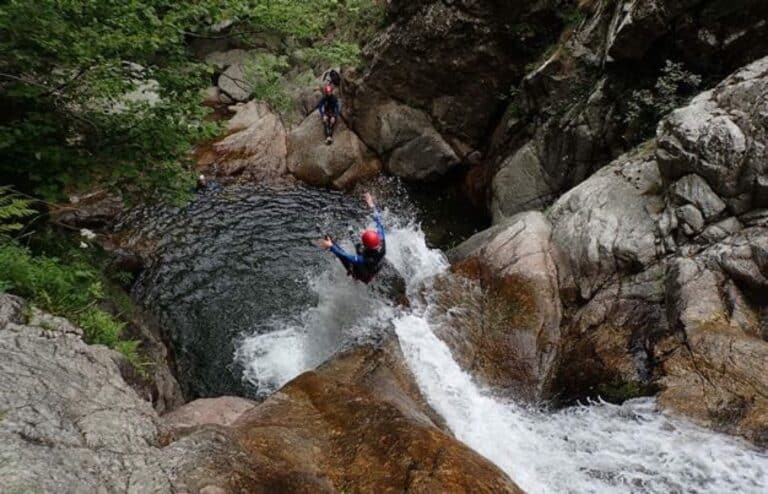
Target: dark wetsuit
(329, 106)
(366, 263)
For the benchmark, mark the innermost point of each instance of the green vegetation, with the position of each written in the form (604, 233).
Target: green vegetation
(71, 286)
(265, 73)
(671, 90)
(619, 392)
(107, 92)
(13, 210)
(335, 54)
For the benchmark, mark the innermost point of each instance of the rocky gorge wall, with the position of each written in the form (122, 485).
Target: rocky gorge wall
(70, 423)
(651, 274)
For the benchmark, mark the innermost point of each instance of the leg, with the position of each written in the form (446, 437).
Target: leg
(327, 125)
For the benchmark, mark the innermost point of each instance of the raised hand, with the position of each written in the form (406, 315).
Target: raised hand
(368, 198)
(325, 243)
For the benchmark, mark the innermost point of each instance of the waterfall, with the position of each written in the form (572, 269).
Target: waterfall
(600, 447)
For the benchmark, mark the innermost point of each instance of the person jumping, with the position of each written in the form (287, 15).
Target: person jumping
(330, 110)
(364, 265)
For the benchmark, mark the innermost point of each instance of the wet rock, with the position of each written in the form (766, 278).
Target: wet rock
(255, 147)
(313, 161)
(507, 330)
(358, 423)
(94, 210)
(607, 346)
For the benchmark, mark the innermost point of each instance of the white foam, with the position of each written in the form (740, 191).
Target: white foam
(600, 448)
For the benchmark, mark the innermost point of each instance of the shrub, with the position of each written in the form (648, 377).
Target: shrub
(264, 74)
(647, 106)
(13, 210)
(71, 290)
(335, 54)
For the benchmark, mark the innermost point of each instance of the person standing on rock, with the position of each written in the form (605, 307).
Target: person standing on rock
(330, 110)
(364, 265)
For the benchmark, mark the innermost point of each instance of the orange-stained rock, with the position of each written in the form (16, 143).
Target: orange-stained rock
(224, 411)
(255, 147)
(357, 424)
(508, 331)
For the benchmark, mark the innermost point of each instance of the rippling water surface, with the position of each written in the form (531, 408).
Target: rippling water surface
(251, 304)
(228, 264)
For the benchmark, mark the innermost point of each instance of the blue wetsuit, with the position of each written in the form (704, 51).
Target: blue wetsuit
(366, 263)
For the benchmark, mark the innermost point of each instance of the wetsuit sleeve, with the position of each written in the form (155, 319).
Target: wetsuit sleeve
(337, 107)
(321, 106)
(380, 228)
(354, 259)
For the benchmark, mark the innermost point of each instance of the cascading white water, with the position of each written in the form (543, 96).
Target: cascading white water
(600, 448)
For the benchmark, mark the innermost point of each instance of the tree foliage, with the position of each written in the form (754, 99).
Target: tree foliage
(671, 90)
(106, 90)
(14, 210)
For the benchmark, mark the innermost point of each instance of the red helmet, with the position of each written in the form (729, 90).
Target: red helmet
(328, 89)
(371, 239)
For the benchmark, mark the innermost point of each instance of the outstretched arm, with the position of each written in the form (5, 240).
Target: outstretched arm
(342, 254)
(327, 243)
(376, 216)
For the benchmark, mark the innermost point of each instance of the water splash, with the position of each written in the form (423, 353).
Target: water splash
(601, 448)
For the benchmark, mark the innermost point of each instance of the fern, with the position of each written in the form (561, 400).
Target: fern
(13, 210)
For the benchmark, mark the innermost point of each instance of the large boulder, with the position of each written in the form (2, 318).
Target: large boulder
(70, 423)
(508, 332)
(721, 136)
(340, 164)
(232, 80)
(255, 147)
(608, 224)
(402, 136)
(358, 423)
(714, 360)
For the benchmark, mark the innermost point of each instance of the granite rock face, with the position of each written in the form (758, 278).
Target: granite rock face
(575, 110)
(661, 267)
(508, 328)
(70, 423)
